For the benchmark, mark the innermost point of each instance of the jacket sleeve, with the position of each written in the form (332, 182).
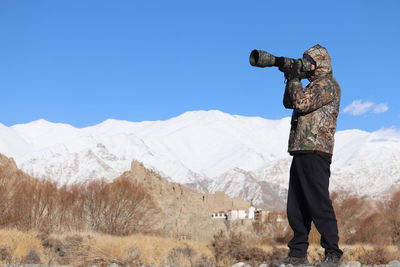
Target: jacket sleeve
(312, 97)
(287, 98)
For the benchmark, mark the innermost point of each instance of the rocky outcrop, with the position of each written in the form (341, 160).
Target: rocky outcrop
(186, 212)
(9, 171)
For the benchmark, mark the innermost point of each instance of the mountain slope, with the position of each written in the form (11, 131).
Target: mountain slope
(207, 150)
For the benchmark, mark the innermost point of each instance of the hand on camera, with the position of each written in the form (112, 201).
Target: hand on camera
(294, 72)
(290, 75)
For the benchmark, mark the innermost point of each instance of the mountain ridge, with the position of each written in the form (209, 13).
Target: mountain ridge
(207, 150)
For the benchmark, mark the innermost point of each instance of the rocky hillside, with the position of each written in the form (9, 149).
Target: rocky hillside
(185, 211)
(9, 171)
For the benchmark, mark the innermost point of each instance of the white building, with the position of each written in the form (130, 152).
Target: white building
(231, 215)
(219, 215)
(236, 215)
(251, 213)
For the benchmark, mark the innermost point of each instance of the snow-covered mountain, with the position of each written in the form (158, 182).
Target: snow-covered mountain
(207, 150)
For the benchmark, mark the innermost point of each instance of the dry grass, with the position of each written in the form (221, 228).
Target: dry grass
(15, 245)
(87, 248)
(150, 249)
(364, 253)
(371, 255)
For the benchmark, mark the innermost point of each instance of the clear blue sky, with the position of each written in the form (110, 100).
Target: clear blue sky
(81, 62)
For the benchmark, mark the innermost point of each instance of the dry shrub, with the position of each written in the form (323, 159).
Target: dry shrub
(392, 215)
(31, 258)
(139, 248)
(373, 229)
(129, 208)
(88, 248)
(5, 201)
(55, 249)
(347, 209)
(352, 252)
(94, 203)
(204, 261)
(122, 207)
(256, 256)
(232, 248)
(155, 249)
(274, 229)
(35, 210)
(6, 254)
(181, 256)
(266, 237)
(366, 254)
(15, 245)
(315, 253)
(72, 214)
(222, 249)
(63, 250)
(362, 220)
(279, 253)
(375, 256)
(102, 249)
(96, 256)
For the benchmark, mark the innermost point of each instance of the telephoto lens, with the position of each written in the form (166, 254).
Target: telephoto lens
(259, 58)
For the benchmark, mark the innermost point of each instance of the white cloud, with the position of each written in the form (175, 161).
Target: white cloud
(358, 107)
(379, 108)
(391, 132)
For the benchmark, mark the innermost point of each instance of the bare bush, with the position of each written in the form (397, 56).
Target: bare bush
(32, 258)
(232, 248)
(273, 229)
(5, 201)
(94, 203)
(375, 256)
(6, 254)
(71, 214)
(204, 261)
(119, 208)
(373, 229)
(129, 210)
(360, 221)
(347, 209)
(181, 256)
(392, 215)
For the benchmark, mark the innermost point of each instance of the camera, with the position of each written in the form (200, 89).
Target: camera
(301, 67)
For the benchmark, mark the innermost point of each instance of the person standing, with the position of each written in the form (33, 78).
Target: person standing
(311, 142)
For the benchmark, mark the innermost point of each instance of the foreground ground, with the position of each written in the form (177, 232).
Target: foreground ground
(88, 248)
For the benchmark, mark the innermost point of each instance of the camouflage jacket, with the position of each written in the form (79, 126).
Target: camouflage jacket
(315, 107)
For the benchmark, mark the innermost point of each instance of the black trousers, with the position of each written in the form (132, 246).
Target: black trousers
(308, 200)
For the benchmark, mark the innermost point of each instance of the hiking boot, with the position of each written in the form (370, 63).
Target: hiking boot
(295, 261)
(331, 260)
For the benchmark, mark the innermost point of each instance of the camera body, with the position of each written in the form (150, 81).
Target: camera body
(299, 67)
